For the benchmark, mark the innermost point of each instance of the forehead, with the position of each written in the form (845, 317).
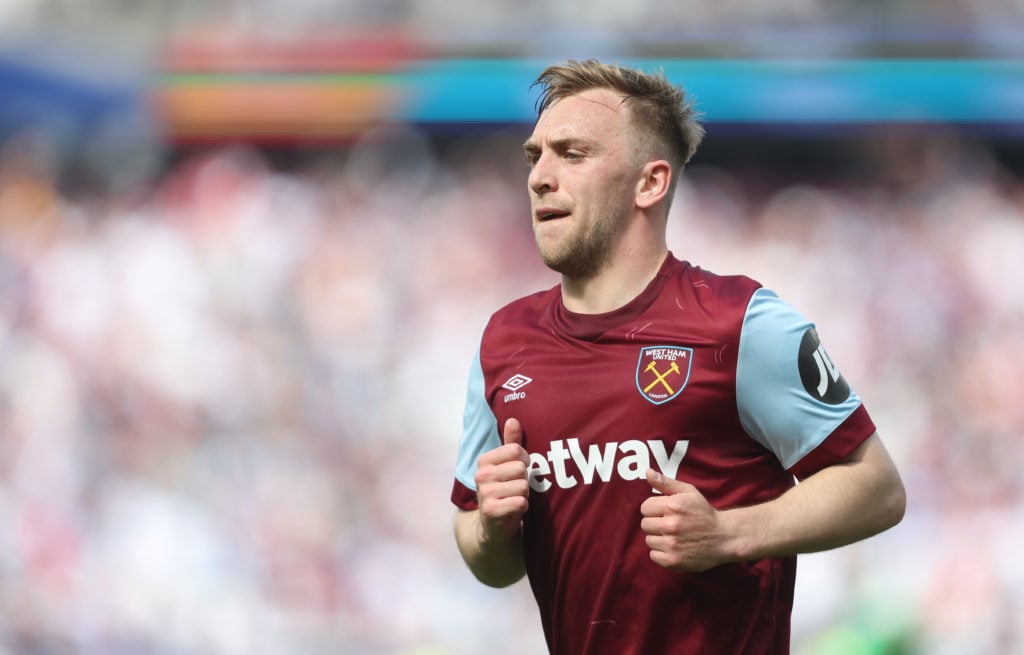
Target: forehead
(591, 113)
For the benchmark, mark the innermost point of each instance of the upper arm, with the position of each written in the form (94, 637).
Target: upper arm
(479, 433)
(880, 485)
(875, 459)
(790, 396)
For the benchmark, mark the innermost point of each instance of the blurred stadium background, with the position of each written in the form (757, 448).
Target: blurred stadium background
(246, 249)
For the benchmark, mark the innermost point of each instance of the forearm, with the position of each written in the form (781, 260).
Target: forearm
(496, 564)
(837, 506)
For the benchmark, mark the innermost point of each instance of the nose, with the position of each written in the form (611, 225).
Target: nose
(542, 177)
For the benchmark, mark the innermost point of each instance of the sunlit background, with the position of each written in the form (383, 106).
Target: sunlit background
(247, 249)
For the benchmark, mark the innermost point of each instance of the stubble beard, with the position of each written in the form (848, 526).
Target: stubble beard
(582, 254)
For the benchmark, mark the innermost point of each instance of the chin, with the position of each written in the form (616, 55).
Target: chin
(576, 268)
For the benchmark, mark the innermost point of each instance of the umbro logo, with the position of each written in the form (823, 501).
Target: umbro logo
(514, 384)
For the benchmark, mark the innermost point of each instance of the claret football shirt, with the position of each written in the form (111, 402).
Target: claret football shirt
(709, 379)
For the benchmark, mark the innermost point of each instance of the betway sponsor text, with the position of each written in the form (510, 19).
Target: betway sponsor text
(566, 464)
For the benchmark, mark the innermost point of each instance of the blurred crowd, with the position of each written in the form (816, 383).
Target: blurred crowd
(554, 27)
(230, 394)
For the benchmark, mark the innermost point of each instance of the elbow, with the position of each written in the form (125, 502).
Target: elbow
(496, 574)
(890, 493)
(499, 581)
(894, 507)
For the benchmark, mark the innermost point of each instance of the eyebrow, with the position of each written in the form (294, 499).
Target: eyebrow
(560, 144)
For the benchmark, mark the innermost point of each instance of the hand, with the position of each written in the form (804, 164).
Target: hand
(502, 488)
(683, 529)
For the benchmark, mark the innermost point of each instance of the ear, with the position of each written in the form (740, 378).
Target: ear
(654, 183)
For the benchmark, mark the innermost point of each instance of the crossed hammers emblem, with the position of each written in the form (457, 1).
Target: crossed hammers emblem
(660, 377)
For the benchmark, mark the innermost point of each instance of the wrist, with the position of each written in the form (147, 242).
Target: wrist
(497, 539)
(740, 529)
(495, 561)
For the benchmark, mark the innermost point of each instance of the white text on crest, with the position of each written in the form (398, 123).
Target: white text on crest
(670, 354)
(566, 464)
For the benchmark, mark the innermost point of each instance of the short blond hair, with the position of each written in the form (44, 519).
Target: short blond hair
(660, 110)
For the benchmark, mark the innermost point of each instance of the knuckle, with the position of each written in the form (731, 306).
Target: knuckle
(486, 507)
(676, 503)
(482, 477)
(673, 524)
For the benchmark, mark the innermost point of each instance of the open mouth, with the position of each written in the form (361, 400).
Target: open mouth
(550, 214)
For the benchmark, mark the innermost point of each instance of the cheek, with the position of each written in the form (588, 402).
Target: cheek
(614, 193)
(599, 189)
(616, 181)
(605, 185)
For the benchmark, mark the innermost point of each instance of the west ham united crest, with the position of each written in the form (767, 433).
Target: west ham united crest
(662, 372)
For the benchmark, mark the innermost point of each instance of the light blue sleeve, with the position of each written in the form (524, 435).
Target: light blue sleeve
(479, 427)
(789, 395)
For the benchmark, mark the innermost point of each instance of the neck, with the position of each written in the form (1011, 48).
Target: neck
(615, 285)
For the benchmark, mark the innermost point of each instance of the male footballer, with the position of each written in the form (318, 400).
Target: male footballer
(650, 443)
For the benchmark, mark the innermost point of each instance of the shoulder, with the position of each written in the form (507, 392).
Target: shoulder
(525, 309)
(522, 315)
(705, 284)
(773, 326)
(720, 300)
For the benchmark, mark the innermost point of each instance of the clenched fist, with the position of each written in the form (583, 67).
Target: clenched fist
(502, 488)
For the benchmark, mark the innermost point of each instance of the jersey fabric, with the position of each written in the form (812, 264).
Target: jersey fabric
(709, 379)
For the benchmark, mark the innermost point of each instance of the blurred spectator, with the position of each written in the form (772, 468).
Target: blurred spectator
(228, 410)
(230, 390)
(978, 28)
